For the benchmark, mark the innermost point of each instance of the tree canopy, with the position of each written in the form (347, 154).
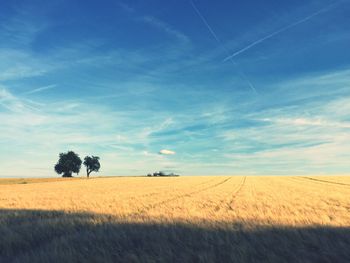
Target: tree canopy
(68, 163)
(92, 164)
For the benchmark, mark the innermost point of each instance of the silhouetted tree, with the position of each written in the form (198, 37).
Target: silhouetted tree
(92, 164)
(68, 163)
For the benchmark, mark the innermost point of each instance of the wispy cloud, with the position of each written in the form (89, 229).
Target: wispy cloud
(14, 103)
(157, 23)
(310, 122)
(26, 69)
(166, 28)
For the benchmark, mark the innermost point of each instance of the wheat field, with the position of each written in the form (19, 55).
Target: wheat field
(176, 219)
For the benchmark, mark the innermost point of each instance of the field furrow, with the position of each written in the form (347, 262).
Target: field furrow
(323, 181)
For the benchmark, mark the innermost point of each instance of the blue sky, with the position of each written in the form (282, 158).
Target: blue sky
(194, 87)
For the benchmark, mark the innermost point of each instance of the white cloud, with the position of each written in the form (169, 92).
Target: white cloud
(167, 152)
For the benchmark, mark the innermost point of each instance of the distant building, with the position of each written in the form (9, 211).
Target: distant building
(161, 173)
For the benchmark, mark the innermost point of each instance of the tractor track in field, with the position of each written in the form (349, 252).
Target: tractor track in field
(160, 189)
(252, 189)
(314, 180)
(322, 181)
(235, 193)
(147, 208)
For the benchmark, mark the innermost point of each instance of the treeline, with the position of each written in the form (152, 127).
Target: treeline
(70, 162)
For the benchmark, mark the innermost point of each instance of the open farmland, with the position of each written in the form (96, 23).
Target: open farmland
(183, 219)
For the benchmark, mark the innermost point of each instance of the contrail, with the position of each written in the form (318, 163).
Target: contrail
(40, 89)
(212, 32)
(205, 22)
(325, 9)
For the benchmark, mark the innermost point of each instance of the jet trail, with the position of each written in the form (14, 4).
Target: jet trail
(205, 22)
(325, 9)
(222, 45)
(39, 89)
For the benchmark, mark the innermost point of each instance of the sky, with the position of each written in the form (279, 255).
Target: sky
(192, 87)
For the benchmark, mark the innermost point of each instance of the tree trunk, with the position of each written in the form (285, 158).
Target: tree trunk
(67, 174)
(88, 173)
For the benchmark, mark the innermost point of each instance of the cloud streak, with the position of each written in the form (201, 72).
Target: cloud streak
(166, 28)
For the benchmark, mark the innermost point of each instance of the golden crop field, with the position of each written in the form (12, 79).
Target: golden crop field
(176, 219)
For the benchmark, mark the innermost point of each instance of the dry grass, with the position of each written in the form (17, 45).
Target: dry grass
(184, 219)
(34, 180)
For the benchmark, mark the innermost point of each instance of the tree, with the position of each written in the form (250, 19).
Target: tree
(68, 163)
(92, 164)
